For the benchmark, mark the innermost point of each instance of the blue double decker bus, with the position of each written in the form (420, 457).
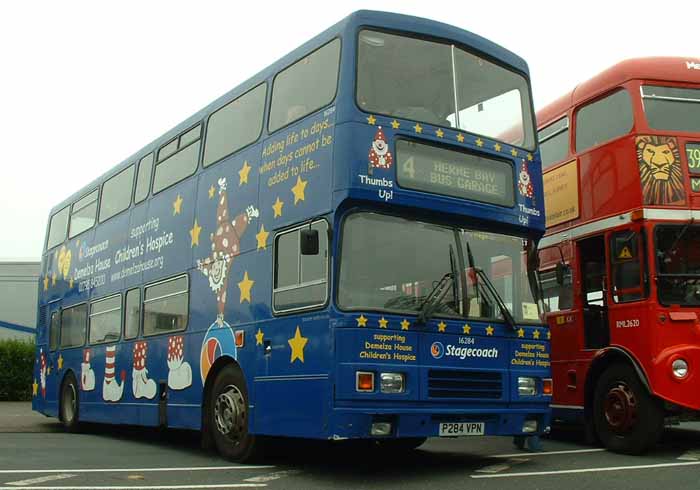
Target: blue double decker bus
(343, 247)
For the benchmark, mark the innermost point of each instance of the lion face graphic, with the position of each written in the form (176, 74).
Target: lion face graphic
(660, 170)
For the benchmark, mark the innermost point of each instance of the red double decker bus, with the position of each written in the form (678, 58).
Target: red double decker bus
(620, 263)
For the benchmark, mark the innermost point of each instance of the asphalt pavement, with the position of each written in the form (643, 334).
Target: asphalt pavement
(35, 453)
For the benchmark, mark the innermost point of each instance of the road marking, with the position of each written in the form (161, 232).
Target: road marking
(156, 487)
(588, 470)
(547, 453)
(41, 479)
(690, 456)
(273, 476)
(139, 470)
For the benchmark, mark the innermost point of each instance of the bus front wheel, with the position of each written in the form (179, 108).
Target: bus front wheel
(627, 418)
(69, 409)
(228, 416)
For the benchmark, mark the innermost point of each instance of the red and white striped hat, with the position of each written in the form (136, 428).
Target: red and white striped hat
(110, 354)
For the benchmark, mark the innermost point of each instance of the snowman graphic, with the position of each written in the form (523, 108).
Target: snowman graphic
(524, 182)
(42, 372)
(142, 385)
(87, 376)
(112, 390)
(180, 372)
(379, 154)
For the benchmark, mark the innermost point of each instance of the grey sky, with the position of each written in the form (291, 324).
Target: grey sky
(84, 84)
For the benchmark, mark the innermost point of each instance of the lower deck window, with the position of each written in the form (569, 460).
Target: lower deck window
(165, 306)
(73, 323)
(106, 320)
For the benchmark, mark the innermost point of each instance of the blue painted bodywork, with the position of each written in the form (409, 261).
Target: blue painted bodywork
(313, 396)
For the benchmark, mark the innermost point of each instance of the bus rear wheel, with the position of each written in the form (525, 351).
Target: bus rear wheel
(70, 407)
(228, 416)
(627, 419)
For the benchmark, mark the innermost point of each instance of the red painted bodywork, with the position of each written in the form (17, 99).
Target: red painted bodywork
(609, 186)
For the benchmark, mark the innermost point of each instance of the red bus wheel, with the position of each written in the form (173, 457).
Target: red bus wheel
(228, 416)
(626, 417)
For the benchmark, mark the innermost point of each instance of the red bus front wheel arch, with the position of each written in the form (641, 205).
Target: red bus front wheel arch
(626, 417)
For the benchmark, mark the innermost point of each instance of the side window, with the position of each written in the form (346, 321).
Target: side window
(143, 179)
(178, 159)
(132, 317)
(557, 296)
(627, 267)
(603, 120)
(58, 227)
(106, 320)
(83, 214)
(235, 125)
(55, 332)
(554, 142)
(73, 323)
(305, 86)
(165, 306)
(301, 281)
(116, 193)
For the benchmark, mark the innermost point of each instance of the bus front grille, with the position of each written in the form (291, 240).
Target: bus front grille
(443, 383)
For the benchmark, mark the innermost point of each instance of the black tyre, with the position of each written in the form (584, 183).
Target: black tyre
(627, 419)
(69, 404)
(228, 417)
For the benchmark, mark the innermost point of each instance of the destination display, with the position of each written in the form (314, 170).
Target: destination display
(692, 151)
(452, 173)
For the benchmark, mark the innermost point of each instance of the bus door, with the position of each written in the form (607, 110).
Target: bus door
(628, 284)
(48, 361)
(591, 252)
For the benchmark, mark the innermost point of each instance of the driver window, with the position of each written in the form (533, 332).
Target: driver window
(628, 282)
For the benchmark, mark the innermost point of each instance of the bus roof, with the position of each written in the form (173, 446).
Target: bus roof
(662, 69)
(349, 24)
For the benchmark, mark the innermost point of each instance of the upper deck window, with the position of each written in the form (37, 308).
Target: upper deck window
(58, 227)
(177, 159)
(116, 193)
(143, 179)
(603, 120)
(672, 108)
(235, 125)
(305, 86)
(554, 142)
(83, 214)
(443, 85)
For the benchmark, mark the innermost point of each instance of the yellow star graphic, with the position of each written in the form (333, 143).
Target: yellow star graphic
(177, 205)
(277, 207)
(497, 147)
(405, 324)
(536, 334)
(479, 142)
(371, 119)
(48, 370)
(439, 133)
(212, 191)
(489, 330)
(53, 279)
(297, 343)
(259, 337)
(418, 128)
(245, 286)
(70, 283)
(460, 137)
(521, 333)
(261, 237)
(60, 362)
(243, 173)
(549, 335)
(514, 152)
(529, 157)
(383, 322)
(466, 329)
(361, 321)
(442, 326)
(395, 124)
(46, 283)
(194, 233)
(298, 189)
(35, 388)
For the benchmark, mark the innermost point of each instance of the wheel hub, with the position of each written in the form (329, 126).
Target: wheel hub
(620, 408)
(69, 403)
(230, 414)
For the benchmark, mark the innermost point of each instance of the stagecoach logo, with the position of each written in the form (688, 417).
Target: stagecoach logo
(437, 350)
(692, 65)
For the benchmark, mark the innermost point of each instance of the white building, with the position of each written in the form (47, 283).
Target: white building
(19, 287)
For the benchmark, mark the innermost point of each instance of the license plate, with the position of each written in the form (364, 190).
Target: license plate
(457, 429)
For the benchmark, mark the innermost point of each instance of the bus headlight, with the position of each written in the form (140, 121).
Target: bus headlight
(391, 382)
(680, 368)
(527, 386)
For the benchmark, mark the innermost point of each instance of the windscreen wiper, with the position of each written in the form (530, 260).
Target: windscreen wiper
(507, 315)
(678, 238)
(435, 297)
